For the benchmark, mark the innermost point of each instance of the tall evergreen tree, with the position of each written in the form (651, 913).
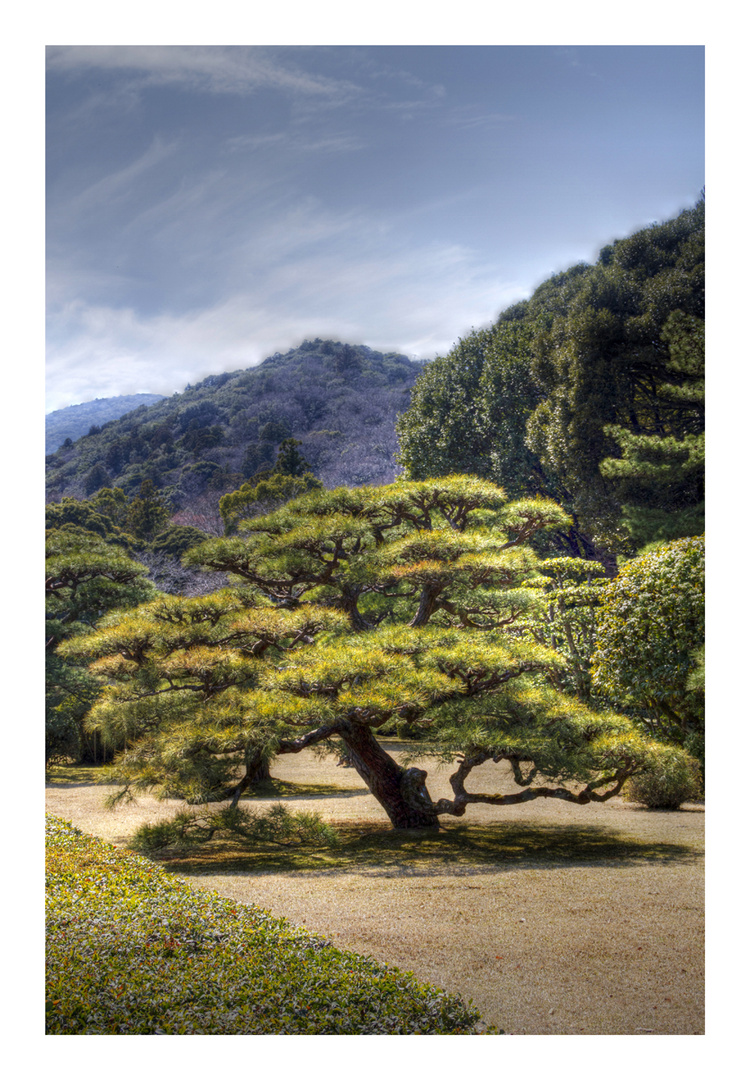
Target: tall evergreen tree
(589, 393)
(147, 513)
(616, 372)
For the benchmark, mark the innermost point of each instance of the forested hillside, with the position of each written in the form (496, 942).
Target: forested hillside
(339, 401)
(590, 392)
(77, 420)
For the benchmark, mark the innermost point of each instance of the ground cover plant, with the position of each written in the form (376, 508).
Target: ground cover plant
(132, 951)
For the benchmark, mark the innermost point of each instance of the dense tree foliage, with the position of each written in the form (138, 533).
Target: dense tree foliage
(650, 632)
(85, 579)
(572, 591)
(605, 365)
(590, 392)
(354, 611)
(104, 514)
(659, 475)
(338, 402)
(147, 513)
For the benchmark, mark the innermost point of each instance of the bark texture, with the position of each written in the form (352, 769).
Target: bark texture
(401, 792)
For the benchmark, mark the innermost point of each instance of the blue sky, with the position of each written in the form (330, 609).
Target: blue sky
(209, 205)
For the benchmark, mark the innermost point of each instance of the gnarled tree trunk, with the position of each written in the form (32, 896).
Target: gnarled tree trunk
(256, 771)
(401, 792)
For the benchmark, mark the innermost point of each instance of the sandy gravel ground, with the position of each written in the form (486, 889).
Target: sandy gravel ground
(608, 945)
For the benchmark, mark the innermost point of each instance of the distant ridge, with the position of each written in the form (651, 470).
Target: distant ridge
(76, 420)
(339, 401)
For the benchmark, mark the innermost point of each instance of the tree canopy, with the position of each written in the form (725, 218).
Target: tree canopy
(404, 608)
(590, 393)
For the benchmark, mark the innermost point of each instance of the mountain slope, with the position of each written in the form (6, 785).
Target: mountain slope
(340, 401)
(75, 420)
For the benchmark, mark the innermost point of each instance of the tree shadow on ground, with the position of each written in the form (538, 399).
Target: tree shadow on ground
(71, 776)
(368, 849)
(289, 791)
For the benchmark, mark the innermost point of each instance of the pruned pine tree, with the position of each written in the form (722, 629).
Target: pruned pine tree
(354, 611)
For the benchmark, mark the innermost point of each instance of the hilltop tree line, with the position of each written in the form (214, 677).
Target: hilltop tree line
(486, 605)
(64, 426)
(338, 401)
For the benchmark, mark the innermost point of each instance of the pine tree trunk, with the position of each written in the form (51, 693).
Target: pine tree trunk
(350, 595)
(256, 772)
(426, 607)
(401, 792)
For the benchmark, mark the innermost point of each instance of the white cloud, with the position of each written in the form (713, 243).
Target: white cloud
(384, 299)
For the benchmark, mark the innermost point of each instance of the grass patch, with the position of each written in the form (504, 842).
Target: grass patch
(279, 827)
(132, 951)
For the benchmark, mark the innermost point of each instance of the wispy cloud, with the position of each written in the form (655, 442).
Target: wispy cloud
(229, 69)
(299, 143)
(120, 184)
(385, 298)
(473, 116)
(276, 193)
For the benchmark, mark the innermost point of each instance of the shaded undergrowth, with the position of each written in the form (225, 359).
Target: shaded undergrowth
(473, 848)
(373, 848)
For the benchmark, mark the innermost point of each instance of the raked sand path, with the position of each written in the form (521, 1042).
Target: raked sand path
(578, 921)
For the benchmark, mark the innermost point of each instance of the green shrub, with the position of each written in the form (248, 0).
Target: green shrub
(671, 778)
(277, 826)
(134, 951)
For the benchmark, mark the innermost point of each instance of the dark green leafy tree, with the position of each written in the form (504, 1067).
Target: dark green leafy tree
(650, 635)
(353, 611)
(177, 539)
(252, 500)
(85, 579)
(147, 512)
(615, 372)
(105, 514)
(97, 477)
(659, 475)
(442, 431)
(571, 590)
(289, 460)
(589, 393)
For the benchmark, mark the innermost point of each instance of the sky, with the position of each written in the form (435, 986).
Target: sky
(208, 206)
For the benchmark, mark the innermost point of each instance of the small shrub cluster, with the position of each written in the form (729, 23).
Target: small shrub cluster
(671, 778)
(277, 826)
(132, 951)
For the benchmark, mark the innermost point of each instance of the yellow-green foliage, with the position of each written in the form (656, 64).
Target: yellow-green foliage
(361, 610)
(132, 951)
